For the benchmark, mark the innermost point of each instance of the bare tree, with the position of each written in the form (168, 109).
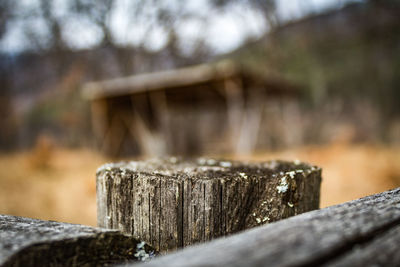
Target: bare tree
(266, 7)
(53, 24)
(6, 14)
(99, 13)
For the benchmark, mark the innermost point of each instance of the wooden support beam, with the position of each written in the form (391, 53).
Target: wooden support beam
(30, 242)
(172, 203)
(235, 104)
(251, 123)
(114, 136)
(100, 120)
(150, 142)
(363, 232)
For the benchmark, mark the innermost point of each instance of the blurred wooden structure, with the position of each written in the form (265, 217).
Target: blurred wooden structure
(209, 108)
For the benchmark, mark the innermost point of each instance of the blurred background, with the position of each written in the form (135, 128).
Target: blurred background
(85, 82)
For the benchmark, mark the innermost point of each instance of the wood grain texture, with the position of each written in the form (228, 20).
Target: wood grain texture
(30, 242)
(171, 203)
(364, 232)
(381, 249)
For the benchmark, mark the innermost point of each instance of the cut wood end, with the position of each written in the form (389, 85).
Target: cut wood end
(209, 168)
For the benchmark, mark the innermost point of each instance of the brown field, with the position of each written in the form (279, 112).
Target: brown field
(59, 184)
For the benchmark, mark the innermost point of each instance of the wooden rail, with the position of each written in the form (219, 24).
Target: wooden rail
(30, 242)
(364, 232)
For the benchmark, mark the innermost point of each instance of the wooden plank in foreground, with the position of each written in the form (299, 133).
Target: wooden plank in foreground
(30, 242)
(174, 203)
(364, 232)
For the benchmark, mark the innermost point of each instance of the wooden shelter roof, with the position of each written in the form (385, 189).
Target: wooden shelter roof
(183, 77)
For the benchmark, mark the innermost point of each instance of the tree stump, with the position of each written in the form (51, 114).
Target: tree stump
(172, 203)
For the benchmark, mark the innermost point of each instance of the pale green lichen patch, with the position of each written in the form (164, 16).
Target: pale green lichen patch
(291, 174)
(283, 186)
(141, 253)
(265, 219)
(262, 220)
(243, 175)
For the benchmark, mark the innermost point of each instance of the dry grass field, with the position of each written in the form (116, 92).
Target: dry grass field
(59, 184)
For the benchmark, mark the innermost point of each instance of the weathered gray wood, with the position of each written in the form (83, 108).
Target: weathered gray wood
(172, 203)
(30, 242)
(364, 232)
(382, 250)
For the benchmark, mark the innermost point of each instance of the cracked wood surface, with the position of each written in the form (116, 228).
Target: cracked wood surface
(172, 203)
(363, 232)
(31, 242)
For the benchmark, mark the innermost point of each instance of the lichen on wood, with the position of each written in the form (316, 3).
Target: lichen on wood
(31, 242)
(363, 232)
(172, 203)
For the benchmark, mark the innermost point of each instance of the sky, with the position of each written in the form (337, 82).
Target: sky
(224, 31)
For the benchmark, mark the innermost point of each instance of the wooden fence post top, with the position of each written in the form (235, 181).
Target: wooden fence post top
(209, 168)
(172, 203)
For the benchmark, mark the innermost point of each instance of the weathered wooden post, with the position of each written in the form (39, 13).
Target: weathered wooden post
(172, 203)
